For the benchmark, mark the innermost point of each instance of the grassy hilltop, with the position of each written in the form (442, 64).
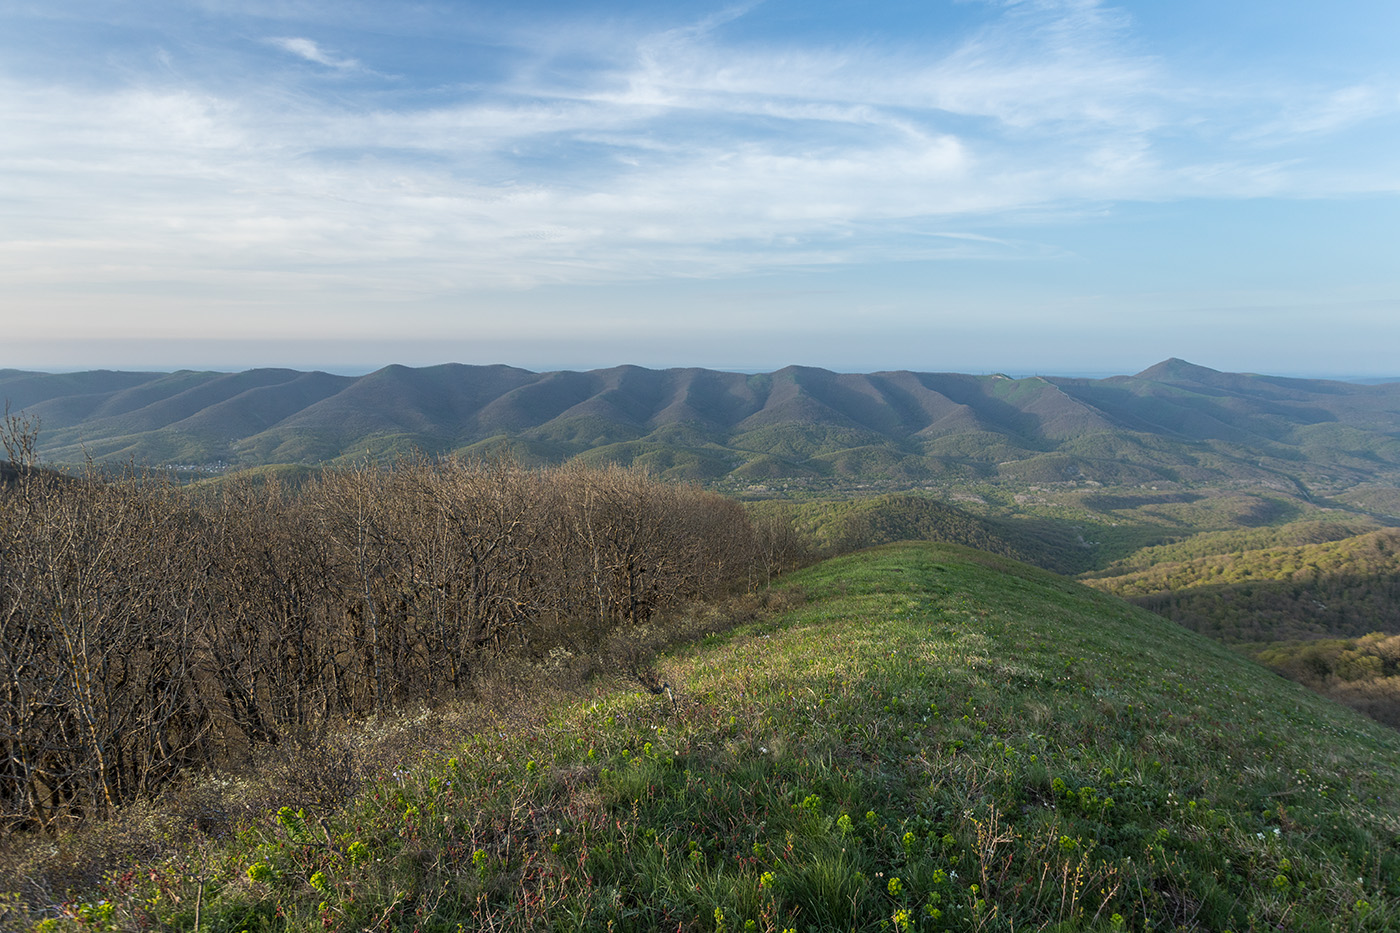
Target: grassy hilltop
(934, 739)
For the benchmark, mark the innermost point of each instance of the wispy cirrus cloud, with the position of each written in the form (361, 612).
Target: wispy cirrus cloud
(1322, 112)
(310, 50)
(686, 151)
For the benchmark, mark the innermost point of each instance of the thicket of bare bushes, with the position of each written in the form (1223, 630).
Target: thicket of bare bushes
(145, 630)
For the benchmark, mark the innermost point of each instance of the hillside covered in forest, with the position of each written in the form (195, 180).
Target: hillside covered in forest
(1174, 422)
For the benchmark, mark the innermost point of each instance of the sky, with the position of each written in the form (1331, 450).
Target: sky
(1022, 186)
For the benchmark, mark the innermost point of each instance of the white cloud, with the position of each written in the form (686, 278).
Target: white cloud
(312, 52)
(679, 156)
(1327, 112)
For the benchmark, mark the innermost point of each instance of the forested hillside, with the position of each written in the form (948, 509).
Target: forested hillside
(1174, 422)
(829, 527)
(1285, 591)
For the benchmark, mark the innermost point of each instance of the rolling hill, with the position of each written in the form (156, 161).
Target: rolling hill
(1174, 422)
(934, 740)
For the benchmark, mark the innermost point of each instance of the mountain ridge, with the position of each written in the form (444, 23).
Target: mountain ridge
(1170, 420)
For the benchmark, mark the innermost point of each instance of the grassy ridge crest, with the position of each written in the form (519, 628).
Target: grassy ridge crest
(936, 739)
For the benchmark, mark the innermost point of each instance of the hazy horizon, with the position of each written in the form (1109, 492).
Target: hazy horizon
(362, 369)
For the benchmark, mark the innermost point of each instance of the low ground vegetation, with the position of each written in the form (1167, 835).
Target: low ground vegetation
(928, 739)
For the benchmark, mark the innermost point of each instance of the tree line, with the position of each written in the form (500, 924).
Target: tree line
(147, 628)
(1363, 673)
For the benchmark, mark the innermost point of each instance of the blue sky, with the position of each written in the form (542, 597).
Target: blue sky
(1057, 186)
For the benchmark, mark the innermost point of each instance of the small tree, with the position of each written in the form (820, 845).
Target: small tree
(19, 435)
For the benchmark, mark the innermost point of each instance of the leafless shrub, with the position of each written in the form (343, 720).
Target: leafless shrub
(146, 632)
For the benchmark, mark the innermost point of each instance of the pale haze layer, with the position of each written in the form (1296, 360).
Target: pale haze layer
(1058, 186)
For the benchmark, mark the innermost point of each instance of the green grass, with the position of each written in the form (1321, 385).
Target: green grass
(936, 739)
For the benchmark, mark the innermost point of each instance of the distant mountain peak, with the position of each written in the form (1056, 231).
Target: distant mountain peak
(1174, 369)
